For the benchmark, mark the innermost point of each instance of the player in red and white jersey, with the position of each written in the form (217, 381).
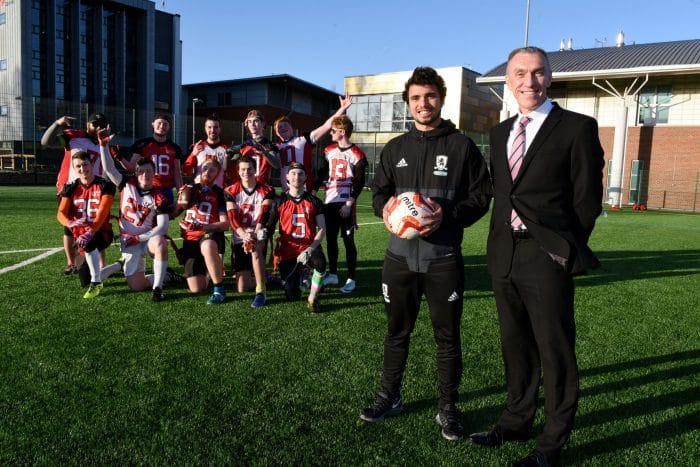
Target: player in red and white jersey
(202, 230)
(84, 209)
(261, 149)
(301, 229)
(143, 221)
(74, 139)
(165, 154)
(300, 148)
(211, 148)
(248, 205)
(344, 172)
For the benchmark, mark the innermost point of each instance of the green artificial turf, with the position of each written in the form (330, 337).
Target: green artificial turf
(122, 380)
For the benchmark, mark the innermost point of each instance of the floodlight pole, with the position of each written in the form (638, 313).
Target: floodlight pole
(527, 21)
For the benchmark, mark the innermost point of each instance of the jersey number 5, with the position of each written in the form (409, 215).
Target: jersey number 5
(299, 226)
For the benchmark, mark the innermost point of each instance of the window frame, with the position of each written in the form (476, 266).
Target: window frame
(654, 104)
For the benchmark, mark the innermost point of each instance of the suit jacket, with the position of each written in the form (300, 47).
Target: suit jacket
(557, 194)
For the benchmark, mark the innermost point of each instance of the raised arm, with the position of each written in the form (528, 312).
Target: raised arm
(318, 133)
(50, 134)
(108, 167)
(271, 154)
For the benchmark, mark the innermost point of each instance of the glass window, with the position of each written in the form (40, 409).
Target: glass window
(399, 110)
(3, 18)
(387, 111)
(380, 112)
(4, 111)
(654, 105)
(3, 64)
(374, 110)
(386, 126)
(362, 112)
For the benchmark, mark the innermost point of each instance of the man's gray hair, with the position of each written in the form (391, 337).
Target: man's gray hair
(531, 50)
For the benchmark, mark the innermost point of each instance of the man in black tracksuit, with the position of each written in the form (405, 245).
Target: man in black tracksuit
(447, 167)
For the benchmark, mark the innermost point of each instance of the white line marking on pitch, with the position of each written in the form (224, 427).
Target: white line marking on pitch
(52, 251)
(47, 252)
(25, 251)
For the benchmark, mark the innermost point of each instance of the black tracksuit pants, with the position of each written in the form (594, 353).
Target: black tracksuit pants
(443, 287)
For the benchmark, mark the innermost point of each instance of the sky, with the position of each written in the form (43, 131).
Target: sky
(324, 41)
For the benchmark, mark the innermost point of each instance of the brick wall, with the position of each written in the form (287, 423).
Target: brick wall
(671, 158)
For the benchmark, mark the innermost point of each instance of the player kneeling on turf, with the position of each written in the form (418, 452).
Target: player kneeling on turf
(302, 228)
(143, 221)
(84, 208)
(202, 230)
(248, 205)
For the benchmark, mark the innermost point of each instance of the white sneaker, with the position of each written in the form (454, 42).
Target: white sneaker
(348, 287)
(330, 279)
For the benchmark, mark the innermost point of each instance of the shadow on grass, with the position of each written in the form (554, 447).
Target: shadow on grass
(634, 438)
(616, 266)
(620, 266)
(686, 368)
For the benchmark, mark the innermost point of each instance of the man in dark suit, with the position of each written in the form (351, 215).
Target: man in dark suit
(546, 165)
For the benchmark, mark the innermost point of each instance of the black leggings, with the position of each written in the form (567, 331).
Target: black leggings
(346, 226)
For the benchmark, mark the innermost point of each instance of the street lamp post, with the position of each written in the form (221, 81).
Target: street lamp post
(195, 101)
(34, 128)
(21, 122)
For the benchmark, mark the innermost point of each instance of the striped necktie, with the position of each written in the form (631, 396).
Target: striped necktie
(515, 160)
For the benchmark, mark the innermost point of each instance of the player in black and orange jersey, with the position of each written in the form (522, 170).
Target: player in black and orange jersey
(211, 148)
(84, 209)
(248, 204)
(344, 172)
(143, 222)
(165, 154)
(300, 148)
(73, 139)
(301, 230)
(202, 230)
(261, 149)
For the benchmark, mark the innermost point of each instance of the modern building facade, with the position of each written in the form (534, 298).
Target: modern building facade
(76, 57)
(379, 113)
(646, 98)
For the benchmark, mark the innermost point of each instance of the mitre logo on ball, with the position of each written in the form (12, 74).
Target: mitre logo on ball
(406, 216)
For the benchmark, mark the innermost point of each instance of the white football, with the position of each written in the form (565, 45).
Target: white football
(407, 217)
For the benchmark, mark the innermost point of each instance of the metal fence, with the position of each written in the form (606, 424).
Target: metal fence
(24, 120)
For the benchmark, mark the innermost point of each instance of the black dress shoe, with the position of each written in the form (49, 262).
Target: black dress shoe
(535, 459)
(496, 437)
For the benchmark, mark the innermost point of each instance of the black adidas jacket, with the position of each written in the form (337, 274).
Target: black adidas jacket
(441, 164)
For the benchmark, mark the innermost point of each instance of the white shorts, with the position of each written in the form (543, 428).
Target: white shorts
(134, 258)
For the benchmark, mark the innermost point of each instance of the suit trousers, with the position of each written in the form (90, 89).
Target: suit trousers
(535, 303)
(443, 286)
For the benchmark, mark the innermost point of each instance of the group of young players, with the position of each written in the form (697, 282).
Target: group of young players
(230, 189)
